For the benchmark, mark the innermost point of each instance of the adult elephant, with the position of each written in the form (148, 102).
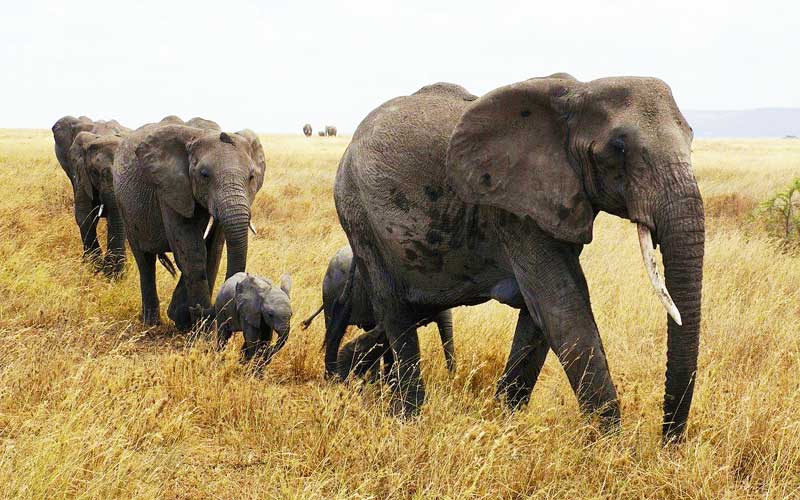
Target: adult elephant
(307, 130)
(87, 206)
(330, 130)
(172, 181)
(448, 199)
(92, 157)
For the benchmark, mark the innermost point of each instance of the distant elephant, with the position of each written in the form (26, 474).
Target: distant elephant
(256, 307)
(363, 354)
(307, 130)
(92, 157)
(330, 131)
(87, 206)
(172, 182)
(321, 133)
(448, 199)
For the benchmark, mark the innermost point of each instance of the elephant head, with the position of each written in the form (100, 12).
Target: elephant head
(64, 132)
(558, 151)
(263, 309)
(206, 172)
(92, 157)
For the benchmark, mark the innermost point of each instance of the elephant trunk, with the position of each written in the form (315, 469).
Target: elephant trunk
(234, 215)
(283, 336)
(115, 259)
(680, 225)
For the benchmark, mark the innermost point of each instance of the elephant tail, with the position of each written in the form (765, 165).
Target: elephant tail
(167, 263)
(340, 318)
(307, 322)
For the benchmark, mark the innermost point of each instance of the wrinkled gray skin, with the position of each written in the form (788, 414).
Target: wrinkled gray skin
(257, 308)
(90, 186)
(169, 178)
(330, 131)
(307, 130)
(448, 200)
(362, 355)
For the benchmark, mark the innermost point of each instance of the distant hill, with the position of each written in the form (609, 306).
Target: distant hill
(763, 122)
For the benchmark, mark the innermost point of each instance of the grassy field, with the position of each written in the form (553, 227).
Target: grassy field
(92, 404)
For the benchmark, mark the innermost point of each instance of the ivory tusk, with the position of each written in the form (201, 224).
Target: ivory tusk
(646, 244)
(100, 212)
(253, 228)
(208, 227)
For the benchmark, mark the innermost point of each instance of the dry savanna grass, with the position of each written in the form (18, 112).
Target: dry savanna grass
(92, 404)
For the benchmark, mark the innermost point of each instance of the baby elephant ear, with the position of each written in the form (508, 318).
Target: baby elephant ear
(286, 284)
(257, 154)
(164, 158)
(508, 151)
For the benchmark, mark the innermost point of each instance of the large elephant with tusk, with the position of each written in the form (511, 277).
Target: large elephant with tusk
(448, 199)
(85, 150)
(173, 180)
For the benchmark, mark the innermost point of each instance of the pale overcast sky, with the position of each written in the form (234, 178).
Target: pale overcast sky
(273, 66)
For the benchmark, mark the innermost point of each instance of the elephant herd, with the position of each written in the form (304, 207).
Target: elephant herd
(447, 199)
(327, 131)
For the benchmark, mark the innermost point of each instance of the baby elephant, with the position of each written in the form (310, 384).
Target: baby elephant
(362, 355)
(256, 307)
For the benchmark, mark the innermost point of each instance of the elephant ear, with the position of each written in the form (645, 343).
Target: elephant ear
(508, 151)
(257, 154)
(79, 157)
(286, 284)
(163, 156)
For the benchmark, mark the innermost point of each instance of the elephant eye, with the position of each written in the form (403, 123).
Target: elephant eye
(205, 173)
(618, 144)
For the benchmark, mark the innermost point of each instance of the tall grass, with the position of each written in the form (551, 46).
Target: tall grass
(92, 404)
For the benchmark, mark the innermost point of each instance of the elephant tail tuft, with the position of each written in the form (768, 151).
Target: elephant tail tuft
(307, 322)
(167, 263)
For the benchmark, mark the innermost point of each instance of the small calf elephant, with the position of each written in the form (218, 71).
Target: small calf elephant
(330, 130)
(307, 130)
(256, 307)
(321, 133)
(361, 356)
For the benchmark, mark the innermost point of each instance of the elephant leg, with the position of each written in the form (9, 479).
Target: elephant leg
(361, 356)
(190, 256)
(528, 352)
(86, 218)
(223, 336)
(114, 261)
(146, 262)
(554, 288)
(388, 363)
(444, 321)
(406, 377)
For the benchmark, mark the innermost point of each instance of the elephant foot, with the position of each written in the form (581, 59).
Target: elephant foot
(113, 267)
(151, 317)
(407, 407)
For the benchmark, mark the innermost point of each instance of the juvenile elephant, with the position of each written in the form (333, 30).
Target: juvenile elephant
(87, 206)
(321, 133)
(307, 130)
(256, 307)
(363, 354)
(448, 199)
(172, 181)
(92, 157)
(330, 130)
